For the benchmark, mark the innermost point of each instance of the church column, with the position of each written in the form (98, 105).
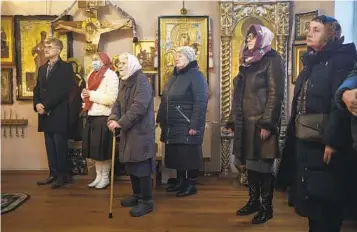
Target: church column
(226, 138)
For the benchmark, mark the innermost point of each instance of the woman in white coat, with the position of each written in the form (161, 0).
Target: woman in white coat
(99, 96)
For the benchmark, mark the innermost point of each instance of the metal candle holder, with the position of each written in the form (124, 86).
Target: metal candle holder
(7, 125)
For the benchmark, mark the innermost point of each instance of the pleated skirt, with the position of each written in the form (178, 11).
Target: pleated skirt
(97, 139)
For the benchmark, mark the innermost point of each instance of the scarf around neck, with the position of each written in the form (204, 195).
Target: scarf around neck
(96, 77)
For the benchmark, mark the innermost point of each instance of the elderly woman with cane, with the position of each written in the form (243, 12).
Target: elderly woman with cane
(99, 96)
(133, 113)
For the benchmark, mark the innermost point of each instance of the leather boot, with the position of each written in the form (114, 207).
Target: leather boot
(253, 204)
(49, 180)
(174, 187)
(187, 188)
(98, 170)
(266, 210)
(104, 180)
(60, 182)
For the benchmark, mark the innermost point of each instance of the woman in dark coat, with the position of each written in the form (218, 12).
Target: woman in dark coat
(318, 135)
(258, 95)
(133, 113)
(182, 118)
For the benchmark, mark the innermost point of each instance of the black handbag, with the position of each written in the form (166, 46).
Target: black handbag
(309, 127)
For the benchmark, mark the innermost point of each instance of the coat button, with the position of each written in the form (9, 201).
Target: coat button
(302, 179)
(305, 169)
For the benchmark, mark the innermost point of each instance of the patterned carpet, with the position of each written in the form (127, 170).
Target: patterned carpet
(10, 201)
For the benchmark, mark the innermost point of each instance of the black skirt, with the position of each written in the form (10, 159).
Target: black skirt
(183, 156)
(97, 139)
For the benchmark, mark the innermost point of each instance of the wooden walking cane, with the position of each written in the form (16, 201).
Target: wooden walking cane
(112, 177)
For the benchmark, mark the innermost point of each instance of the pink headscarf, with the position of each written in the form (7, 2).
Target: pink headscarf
(264, 38)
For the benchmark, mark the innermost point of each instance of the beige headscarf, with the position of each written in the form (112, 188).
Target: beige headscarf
(133, 64)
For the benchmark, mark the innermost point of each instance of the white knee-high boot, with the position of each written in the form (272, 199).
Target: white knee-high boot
(98, 170)
(104, 181)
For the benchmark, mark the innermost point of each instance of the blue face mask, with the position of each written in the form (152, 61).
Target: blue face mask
(96, 65)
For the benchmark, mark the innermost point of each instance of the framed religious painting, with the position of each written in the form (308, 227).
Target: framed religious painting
(7, 41)
(31, 33)
(152, 79)
(144, 50)
(302, 24)
(6, 86)
(298, 51)
(177, 31)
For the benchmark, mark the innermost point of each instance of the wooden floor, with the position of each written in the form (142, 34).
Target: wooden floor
(79, 209)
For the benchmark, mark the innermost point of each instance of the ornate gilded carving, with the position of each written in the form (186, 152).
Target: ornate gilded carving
(226, 153)
(226, 78)
(281, 48)
(241, 11)
(283, 19)
(226, 19)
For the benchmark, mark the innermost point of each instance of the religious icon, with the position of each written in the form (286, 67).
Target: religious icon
(7, 40)
(298, 51)
(151, 77)
(144, 50)
(177, 31)
(6, 86)
(38, 51)
(302, 24)
(31, 33)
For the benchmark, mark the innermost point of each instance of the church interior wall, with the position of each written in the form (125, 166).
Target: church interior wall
(28, 153)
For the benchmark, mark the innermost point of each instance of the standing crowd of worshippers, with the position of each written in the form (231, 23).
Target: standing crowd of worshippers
(317, 156)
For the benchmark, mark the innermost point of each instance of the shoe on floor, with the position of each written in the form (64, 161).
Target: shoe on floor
(129, 201)
(142, 208)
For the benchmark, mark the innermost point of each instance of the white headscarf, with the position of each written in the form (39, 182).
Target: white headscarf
(133, 64)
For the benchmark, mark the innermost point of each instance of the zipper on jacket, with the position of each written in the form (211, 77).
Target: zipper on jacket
(183, 115)
(167, 118)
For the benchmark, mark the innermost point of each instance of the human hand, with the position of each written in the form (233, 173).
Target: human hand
(192, 132)
(264, 134)
(349, 97)
(40, 108)
(86, 93)
(112, 124)
(329, 151)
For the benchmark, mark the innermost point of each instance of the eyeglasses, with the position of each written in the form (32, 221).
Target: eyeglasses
(50, 47)
(250, 37)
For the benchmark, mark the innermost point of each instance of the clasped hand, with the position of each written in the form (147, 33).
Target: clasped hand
(86, 93)
(192, 132)
(40, 108)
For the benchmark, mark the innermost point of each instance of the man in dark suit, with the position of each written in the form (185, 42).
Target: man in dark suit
(51, 102)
